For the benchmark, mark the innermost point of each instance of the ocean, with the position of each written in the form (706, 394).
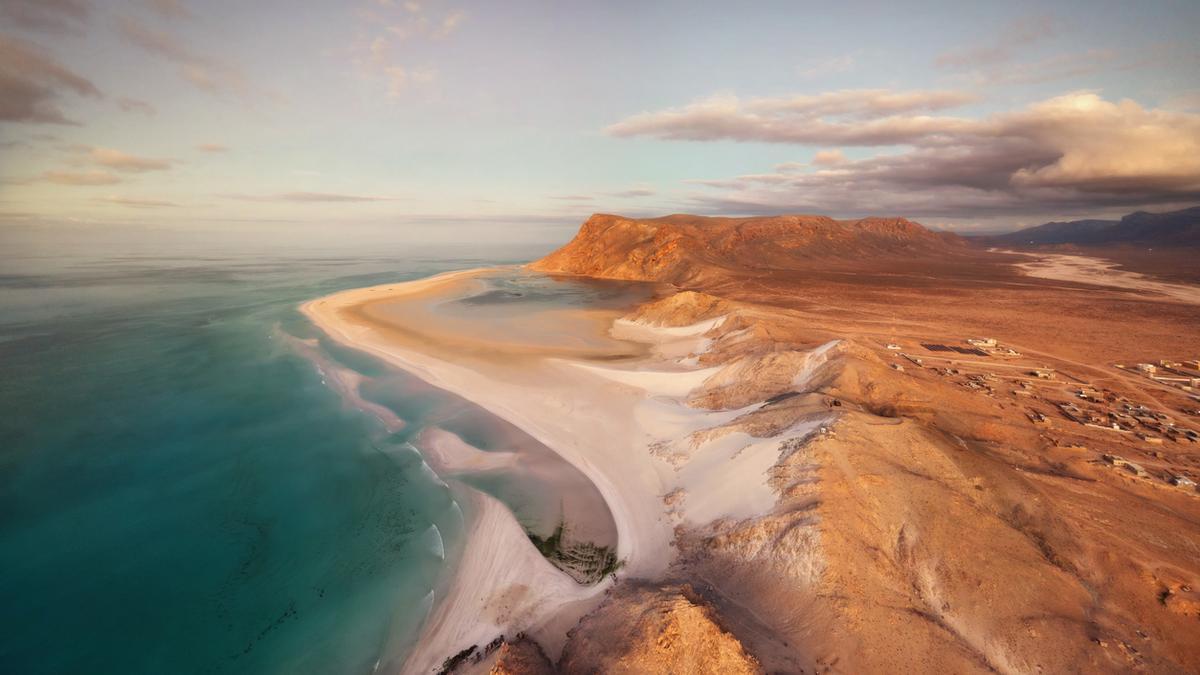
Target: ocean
(181, 491)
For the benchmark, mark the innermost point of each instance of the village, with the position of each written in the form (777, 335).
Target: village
(1070, 410)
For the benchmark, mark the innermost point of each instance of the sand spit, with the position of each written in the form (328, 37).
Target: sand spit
(613, 422)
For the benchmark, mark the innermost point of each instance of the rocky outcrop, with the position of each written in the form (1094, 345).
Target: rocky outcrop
(522, 657)
(654, 629)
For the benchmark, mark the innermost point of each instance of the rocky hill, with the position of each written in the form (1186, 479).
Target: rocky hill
(686, 248)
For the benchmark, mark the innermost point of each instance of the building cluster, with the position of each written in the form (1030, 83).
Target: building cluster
(1176, 479)
(1105, 410)
(1183, 375)
(1050, 396)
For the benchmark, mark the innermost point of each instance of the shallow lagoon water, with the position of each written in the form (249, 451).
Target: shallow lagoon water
(179, 489)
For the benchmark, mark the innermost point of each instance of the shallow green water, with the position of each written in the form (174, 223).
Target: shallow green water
(179, 490)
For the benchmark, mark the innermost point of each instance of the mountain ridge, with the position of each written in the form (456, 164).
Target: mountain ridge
(1181, 227)
(682, 248)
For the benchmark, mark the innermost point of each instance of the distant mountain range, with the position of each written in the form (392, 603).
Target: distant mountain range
(1176, 228)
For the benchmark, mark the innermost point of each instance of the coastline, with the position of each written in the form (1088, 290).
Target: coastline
(663, 463)
(788, 485)
(500, 566)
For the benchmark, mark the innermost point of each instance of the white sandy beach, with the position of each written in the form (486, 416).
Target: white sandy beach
(604, 420)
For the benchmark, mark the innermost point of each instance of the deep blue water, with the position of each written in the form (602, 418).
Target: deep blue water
(179, 491)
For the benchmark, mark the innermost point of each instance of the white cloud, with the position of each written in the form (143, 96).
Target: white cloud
(81, 178)
(122, 161)
(1072, 152)
(829, 158)
(847, 117)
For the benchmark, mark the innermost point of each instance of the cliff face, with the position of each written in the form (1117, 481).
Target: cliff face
(683, 249)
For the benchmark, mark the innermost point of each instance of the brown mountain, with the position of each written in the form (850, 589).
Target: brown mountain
(683, 249)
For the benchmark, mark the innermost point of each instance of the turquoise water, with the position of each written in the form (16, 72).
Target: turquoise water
(179, 490)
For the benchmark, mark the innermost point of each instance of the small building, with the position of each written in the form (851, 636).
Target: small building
(1038, 418)
(1147, 368)
(893, 346)
(982, 342)
(1044, 373)
(1122, 463)
(1182, 481)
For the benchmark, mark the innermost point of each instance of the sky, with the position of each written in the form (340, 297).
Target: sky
(394, 113)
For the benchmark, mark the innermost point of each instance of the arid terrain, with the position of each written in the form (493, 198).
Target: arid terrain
(1023, 502)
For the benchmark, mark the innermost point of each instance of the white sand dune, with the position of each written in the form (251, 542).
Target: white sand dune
(676, 383)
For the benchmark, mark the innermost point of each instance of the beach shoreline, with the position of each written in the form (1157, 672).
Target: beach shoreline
(627, 423)
(498, 556)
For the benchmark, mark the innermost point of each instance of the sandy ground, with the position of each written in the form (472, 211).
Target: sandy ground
(1089, 270)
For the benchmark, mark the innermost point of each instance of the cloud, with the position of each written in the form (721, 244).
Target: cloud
(450, 23)
(121, 161)
(1075, 152)
(1013, 38)
(203, 72)
(32, 84)
(833, 65)
(829, 158)
(136, 202)
(847, 117)
(170, 9)
(311, 197)
(633, 192)
(81, 178)
(51, 16)
(399, 78)
(212, 147)
(573, 198)
(135, 105)
(393, 27)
